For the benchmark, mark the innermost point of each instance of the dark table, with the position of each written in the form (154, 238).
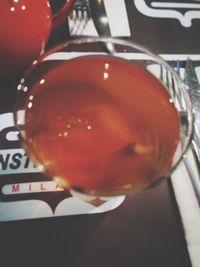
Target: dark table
(144, 231)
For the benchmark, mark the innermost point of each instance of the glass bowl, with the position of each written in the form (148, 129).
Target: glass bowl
(103, 116)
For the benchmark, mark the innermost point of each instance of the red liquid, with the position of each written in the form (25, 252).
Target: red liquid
(102, 125)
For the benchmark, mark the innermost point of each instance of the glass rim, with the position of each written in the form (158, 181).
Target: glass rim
(141, 49)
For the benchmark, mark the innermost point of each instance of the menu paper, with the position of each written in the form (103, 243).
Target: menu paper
(25, 192)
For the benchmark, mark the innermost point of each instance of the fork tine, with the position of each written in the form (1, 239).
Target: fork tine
(79, 17)
(82, 9)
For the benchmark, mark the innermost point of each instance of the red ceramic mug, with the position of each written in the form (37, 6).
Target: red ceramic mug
(25, 27)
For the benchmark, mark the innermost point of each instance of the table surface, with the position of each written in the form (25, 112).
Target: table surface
(145, 230)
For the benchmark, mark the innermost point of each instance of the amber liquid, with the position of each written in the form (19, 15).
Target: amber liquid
(101, 125)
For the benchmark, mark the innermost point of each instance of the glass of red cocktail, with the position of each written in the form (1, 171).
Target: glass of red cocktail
(103, 121)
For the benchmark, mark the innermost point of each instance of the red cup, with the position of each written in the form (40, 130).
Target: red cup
(25, 27)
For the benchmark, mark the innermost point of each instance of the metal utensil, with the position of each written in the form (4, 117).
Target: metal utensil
(168, 80)
(192, 82)
(100, 19)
